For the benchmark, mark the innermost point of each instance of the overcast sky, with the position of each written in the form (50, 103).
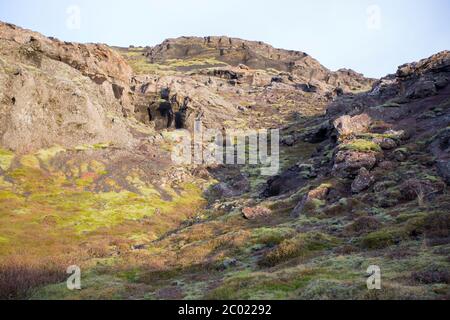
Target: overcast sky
(372, 37)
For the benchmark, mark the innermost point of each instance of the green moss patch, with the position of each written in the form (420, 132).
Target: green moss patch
(361, 145)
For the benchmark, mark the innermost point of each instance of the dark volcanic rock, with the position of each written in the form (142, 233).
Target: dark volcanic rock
(363, 181)
(348, 163)
(443, 167)
(285, 182)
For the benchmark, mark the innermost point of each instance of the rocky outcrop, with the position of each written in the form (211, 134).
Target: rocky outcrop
(347, 125)
(96, 61)
(349, 163)
(257, 55)
(54, 92)
(256, 213)
(386, 143)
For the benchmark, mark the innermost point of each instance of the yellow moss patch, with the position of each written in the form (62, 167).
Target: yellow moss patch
(45, 155)
(361, 145)
(6, 157)
(7, 195)
(30, 161)
(102, 145)
(106, 210)
(97, 167)
(83, 147)
(3, 240)
(3, 183)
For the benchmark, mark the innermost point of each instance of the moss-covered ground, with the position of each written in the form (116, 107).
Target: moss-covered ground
(141, 242)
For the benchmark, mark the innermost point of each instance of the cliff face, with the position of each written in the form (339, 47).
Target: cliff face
(54, 92)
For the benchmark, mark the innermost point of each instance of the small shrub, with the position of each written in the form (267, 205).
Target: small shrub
(436, 228)
(271, 236)
(381, 239)
(19, 277)
(300, 246)
(362, 225)
(343, 207)
(433, 274)
(415, 227)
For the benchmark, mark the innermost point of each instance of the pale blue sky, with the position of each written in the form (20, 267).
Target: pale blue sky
(337, 33)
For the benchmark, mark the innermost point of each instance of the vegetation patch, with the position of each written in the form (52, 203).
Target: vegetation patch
(45, 155)
(271, 236)
(361, 145)
(302, 246)
(382, 239)
(6, 157)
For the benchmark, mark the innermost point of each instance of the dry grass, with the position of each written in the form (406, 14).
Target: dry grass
(19, 275)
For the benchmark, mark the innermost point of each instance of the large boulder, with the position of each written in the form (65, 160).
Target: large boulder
(255, 213)
(348, 163)
(363, 181)
(348, 125)
(386, 143)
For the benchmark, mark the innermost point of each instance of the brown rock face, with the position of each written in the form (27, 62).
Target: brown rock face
(256, 55)
(60, 93)
(95, 61)
(88, 93)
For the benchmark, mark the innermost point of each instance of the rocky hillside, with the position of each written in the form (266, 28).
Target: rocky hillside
(256, 55)
(86, 176)
(219, 51)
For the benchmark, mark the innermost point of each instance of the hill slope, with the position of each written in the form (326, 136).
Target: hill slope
(86, 176)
